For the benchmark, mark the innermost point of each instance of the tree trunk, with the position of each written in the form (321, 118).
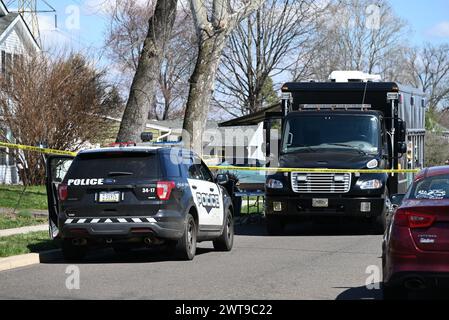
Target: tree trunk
(143, 88)
(202, 85)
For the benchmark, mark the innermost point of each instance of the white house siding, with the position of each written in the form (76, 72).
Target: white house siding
(12, 43)
(9, 175)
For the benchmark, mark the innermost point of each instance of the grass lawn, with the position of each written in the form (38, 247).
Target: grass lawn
(28, 243)
(33, 198)
(23, 219)
(252, 210)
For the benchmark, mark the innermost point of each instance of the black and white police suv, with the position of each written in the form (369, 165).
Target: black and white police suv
(136, 197)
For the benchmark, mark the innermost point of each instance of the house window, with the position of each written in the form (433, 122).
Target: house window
(3, 63)
(3, 157)
(8, 66)
(12, 158)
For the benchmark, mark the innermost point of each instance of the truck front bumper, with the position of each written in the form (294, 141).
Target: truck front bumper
(336, 206)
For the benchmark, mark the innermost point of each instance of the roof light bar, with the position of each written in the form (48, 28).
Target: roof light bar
(336, 106)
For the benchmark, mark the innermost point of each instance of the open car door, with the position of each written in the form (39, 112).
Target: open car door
(57, 168)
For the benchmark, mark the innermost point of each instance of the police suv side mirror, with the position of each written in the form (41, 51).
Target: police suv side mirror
(222, 179)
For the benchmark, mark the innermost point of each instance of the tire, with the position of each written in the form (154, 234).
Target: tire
(186, 246)
(394, 293)
(275, 226)
(380, 222)
(226, 240)
(379, 225)
(71, 252)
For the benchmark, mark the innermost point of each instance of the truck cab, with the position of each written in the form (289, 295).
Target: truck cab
(341, 140)
(342, 127)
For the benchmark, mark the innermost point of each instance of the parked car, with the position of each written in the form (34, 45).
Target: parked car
(416, 245)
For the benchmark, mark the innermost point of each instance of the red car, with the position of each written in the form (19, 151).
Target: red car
(416, 245)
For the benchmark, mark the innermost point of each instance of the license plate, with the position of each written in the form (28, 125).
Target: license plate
(109, 197)
(320, 203)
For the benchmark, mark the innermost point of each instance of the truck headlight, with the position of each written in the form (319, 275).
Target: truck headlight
(373, 164)
(371, 185)
(274, 184)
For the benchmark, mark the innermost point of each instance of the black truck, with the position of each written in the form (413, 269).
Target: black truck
(346, 125)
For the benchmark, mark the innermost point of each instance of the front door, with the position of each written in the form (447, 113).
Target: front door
(57, 168)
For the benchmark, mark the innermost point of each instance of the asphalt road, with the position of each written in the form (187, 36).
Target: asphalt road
(312, 262)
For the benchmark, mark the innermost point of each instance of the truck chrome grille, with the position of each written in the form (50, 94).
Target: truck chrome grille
(303, 182)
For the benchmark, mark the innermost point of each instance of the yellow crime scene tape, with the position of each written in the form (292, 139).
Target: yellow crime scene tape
(37, 149)
(224, 168)
(308, 170)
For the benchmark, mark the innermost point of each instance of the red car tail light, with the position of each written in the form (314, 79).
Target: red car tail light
(413, 220)
(419, 220)
(62, 192)
(164, 189)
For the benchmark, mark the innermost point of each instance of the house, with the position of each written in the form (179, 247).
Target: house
(244, 142)
(16, 40)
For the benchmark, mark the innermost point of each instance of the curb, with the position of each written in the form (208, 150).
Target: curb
(23, 230)
(26, 260)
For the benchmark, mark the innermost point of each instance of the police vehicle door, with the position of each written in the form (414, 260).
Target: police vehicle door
(207, 195)
(56, 170)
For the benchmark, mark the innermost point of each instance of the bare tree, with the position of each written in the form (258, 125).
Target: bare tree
(126, 33)
(357, 35)
(143, 88)
(263, 47)
(177, 66)
(214, 21)
(124, 42)
(431, 70)
(61, 103)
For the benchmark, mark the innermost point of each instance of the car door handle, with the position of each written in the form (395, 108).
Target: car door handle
(212, 190)
(194, 187)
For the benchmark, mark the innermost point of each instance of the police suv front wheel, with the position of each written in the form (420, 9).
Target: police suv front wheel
(186, 246)
(226, 240)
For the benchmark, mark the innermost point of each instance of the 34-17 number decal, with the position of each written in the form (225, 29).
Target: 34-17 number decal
(148, 190)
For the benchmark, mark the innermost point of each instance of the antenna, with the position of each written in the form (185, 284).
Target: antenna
(29, 11)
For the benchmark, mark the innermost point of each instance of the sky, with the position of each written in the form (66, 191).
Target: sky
(82, 23)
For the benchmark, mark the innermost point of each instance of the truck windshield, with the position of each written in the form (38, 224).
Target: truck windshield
(313, 132)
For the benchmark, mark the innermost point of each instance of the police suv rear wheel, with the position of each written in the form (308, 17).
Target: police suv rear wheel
(72, 252)
(226, 240)
(186, 246)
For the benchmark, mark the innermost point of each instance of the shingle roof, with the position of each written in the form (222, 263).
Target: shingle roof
(5, 21)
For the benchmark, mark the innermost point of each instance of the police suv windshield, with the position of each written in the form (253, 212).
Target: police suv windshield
(313, 132)
(115, 164)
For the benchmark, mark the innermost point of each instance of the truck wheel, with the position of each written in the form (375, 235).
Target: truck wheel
(71, 252)
(275, 226)
(394, 293)
(226, 240)
(186, 246)
(380, 222)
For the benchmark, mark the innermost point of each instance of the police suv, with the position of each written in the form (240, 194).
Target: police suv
(129, 197)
